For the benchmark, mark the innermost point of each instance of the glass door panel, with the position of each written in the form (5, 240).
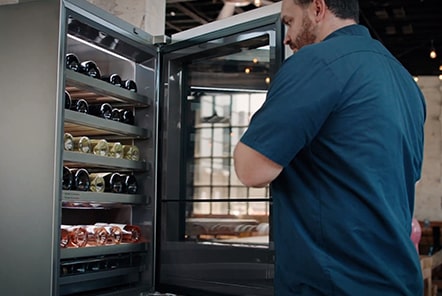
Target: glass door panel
(215, 232)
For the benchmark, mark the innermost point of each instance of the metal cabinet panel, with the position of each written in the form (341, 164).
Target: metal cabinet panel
(30, 130)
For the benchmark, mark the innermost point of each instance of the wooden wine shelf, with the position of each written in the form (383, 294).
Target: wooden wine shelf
(70, 253)
(103, 197)
(98, 91)
(81, 124)
(86, 160)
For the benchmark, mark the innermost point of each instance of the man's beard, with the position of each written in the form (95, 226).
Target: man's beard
(306, 35)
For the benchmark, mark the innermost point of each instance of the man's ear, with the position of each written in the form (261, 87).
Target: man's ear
(319, 8)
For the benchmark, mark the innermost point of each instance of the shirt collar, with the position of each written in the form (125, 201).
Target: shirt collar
(356, 30)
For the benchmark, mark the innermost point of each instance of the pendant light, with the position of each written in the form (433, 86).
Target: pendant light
(433, 53)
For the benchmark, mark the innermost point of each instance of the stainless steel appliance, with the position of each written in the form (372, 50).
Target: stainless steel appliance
(202, 232)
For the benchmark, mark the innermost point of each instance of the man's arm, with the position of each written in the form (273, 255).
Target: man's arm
(252, 168)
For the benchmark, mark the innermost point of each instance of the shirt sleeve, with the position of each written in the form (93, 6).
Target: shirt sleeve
(301, 97)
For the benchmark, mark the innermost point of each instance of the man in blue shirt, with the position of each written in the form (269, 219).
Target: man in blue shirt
(340, 140)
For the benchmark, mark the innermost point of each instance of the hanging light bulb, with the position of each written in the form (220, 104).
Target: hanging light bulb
(433, 53)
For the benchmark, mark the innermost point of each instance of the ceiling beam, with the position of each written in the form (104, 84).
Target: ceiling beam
(190, 13)
(172, 26)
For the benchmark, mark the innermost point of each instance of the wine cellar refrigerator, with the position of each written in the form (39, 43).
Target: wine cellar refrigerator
(116, 171)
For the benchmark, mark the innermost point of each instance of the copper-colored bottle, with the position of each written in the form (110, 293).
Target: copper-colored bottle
(131, 233)
(64, 237)
(97, 235)
(77, 237)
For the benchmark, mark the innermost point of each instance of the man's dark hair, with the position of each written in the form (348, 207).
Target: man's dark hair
(345, 9)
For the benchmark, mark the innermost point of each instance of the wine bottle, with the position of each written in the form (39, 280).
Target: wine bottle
(68, 179)
(77, 236)
(90, 68)
(114, 79)
(130, 184)
(123, 115)
(102, 110)
(127, 116)
(97, 183)
(131, 233)
(116, 150)
(115, 235)
(80, 105)
(82, 144)
(130, 85)
(116, 114)
(100, 147)
(67, 100)
(72, 62)
(131, 152)
(81, 180)
(135, 230)
(64, 237)
(97, 235)
(114, 182)
(68, 142)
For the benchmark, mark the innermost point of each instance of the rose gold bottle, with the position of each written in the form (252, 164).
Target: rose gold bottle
(130, 234)
(64, 236)
(97, 235)
(77, 237)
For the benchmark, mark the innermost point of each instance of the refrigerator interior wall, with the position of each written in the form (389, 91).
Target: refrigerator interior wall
(215, 236)
(106, 231)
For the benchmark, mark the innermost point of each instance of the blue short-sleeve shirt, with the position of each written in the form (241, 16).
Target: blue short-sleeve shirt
(345, 120)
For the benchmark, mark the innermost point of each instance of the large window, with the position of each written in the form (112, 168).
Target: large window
(220, 122)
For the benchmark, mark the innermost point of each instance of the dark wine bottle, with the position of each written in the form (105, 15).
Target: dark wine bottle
(80, 105)
(130, 85)
(114, 182)
(127, 116)
(67, 100)
(90, 68)
(116, 114)
(114, 79)
(81, 180)
(123, 115)
(68, 179)
(130, 184)
(102, 110)
(72, 62)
